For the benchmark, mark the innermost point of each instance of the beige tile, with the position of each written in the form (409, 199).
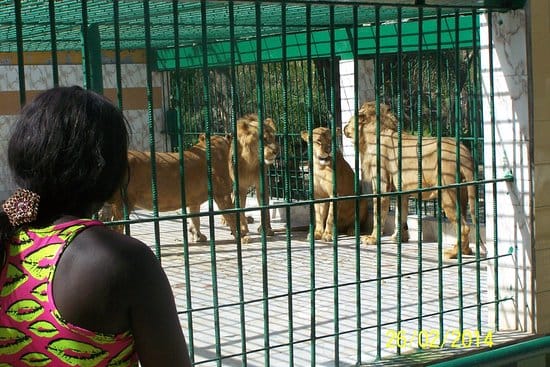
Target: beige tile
(542, 184)
(541, 91)
(542, 227)
(540, 31)
(542, 264)
(543, 312)
(541, 139)
(540, 16)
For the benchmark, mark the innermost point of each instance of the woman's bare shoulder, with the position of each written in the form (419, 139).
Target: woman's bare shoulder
(103, 241)
(113, 268)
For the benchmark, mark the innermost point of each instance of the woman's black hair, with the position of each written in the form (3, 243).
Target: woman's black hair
(69, 145)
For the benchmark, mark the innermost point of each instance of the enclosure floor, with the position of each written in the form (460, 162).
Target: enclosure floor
(293, 266)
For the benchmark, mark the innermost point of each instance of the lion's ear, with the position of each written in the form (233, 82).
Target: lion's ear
(248, 135)
(269, 122)
(365, 110)
(305, 136)
(202, 137)
(384, 109)
(362, 115)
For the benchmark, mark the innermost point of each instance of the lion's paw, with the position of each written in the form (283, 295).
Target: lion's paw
(268, 231)
(368, 240)
(198, 237)
(467, 251)
(245, 239)
(404, 237)
(318, 235)
(450, 253)
(327, 237)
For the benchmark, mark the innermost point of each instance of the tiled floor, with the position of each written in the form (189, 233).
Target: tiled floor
(254, 308)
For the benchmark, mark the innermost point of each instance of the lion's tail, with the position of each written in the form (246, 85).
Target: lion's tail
(363, 214)
(467, 173)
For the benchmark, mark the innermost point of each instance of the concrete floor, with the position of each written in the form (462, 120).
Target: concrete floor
(236, 310)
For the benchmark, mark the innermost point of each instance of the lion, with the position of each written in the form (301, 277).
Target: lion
(323, 187)
(248, 163)
(138, 192)
(409, 172)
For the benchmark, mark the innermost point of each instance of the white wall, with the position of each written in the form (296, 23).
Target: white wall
(513, 230)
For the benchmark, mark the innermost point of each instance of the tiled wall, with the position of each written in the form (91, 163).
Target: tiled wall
(510, 142)
(39, 77)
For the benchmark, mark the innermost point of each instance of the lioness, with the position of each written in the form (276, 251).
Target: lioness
(138, 192)
(409, 173)
(248, 163)
(323, 187)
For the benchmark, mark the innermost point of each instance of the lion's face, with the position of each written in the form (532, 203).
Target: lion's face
(271, 146)
(322, 144)
(248, 134)
(367, 118)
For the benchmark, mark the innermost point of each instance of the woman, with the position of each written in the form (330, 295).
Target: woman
(73, 292)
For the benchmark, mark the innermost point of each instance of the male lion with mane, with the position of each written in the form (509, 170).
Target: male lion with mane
(138, 192)
(323, 187)
(248, 164)
(409, 174)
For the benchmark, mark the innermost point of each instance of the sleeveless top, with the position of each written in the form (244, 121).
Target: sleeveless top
(32, 331)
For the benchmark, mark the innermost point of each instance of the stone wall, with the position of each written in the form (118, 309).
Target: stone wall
(38, 74)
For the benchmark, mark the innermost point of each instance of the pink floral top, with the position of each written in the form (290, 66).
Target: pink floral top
(32, 332)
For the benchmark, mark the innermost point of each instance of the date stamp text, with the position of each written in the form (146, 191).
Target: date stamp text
(436, 339)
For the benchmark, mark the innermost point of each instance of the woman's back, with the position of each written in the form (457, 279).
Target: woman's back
(73, 292)
(38, 331)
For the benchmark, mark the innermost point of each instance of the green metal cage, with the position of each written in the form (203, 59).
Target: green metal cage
(289, 300)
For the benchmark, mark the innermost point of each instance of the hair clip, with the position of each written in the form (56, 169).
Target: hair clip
(21, 207)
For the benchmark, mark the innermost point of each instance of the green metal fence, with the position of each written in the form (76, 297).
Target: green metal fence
(299, 297)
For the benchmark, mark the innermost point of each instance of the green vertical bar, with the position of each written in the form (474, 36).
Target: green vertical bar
(234, 98)
(494, 165)
(208, 128)
(391, 67)
(357, 186)
(20, 53)
(410, 92)
(428, 67)
(377, 84)
(475, 155)
(335, 271)
(439, 183)
(187, 270)
(288, 193)
(85, 47)
(309, 117)
(94, 57)
(399, 166)
(118, 68)
(458, 125)
(53, 42)
(420, 131)
(383, 92)
(264, 212)
(151, 123)
(118, 75)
